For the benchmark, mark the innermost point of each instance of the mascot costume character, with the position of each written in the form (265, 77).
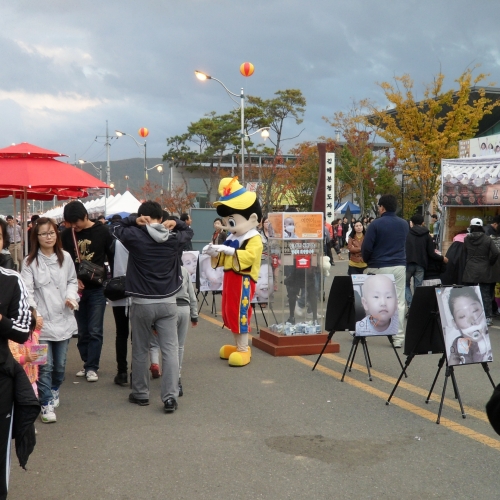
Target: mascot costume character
(240, 256)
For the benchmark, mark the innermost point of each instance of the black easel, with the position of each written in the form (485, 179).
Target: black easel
(423, 331)
(262, 312)
(340, 311)
(352, 354)
(430, 340)
(204, 300)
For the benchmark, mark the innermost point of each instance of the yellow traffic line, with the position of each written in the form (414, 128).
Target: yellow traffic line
(428, 415)
(481, 415)
(396, 401)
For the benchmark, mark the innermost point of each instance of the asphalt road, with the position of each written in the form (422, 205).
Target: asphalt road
(273, 430)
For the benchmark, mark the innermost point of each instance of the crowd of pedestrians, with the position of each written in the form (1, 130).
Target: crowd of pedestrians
(408, 251)
(59, 293)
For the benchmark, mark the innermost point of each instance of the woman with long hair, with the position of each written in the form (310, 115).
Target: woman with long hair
(50, 278)
(356, 262)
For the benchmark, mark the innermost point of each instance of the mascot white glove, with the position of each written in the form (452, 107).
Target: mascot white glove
(224, 249)
(210, 250)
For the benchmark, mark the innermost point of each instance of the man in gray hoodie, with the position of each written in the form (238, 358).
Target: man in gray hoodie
(153, 278)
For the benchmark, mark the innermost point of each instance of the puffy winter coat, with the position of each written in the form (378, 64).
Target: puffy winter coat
(482, 253)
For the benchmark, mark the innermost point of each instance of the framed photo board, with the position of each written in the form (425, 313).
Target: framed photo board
(377, 293)
(464, 325)
(190, 262)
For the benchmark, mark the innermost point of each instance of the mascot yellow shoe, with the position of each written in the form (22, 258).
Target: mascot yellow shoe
(238, 358)
(227, 350)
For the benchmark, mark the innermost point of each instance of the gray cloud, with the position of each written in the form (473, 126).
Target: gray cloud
(68, 66)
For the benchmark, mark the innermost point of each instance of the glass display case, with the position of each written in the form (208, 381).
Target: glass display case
(295, 272)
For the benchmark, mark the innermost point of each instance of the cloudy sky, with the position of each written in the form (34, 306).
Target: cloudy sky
(67, 66)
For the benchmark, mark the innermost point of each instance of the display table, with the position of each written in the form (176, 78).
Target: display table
(293, 345)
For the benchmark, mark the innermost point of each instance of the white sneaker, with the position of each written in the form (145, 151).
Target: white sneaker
(47, 414)
(92, 376)
(55, 396)
(81, 373)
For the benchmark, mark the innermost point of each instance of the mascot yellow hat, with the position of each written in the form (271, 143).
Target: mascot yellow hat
(234, 195)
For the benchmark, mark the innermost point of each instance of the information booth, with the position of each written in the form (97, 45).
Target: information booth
(295, 256)
(470, 188)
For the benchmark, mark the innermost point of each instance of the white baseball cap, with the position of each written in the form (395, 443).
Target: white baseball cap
(476, 222)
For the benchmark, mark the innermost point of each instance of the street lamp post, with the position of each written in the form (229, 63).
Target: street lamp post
(264, 130)
(97, 169)
(120, 134)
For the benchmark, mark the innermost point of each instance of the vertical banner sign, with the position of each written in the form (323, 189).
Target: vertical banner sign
(329, 186)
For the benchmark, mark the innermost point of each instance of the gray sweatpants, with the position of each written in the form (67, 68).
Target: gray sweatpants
(183, 320)
(163, 318)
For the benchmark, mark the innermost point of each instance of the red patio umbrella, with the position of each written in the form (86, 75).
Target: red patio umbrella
(28, 170)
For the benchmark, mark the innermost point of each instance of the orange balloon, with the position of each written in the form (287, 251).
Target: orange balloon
(143, 132)
(247, 69)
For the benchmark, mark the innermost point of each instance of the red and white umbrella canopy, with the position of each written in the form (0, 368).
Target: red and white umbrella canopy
(25, 166)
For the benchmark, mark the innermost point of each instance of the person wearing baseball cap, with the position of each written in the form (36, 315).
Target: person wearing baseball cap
(482, 254)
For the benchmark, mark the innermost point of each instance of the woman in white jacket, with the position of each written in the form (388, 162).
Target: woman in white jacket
(50, 278)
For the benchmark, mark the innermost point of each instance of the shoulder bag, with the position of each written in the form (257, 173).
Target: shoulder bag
(114, 289)
(88, 272)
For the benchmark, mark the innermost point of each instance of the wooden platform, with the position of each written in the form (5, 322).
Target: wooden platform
(294, 345)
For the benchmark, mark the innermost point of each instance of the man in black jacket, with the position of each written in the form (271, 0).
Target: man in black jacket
(419, 249)
(95, 244)
(153, 278)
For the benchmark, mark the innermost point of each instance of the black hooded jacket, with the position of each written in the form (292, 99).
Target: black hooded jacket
(482, 253)
(420, 247)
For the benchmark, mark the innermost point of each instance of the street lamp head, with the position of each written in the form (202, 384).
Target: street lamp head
(202, 76)
(112, 186)
(119, 134)
(159, 168)
(127, 177)
(81, 162)
(265, 134)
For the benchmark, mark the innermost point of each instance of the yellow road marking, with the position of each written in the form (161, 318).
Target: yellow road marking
(481, 415)
(445, 422)
(396, 401)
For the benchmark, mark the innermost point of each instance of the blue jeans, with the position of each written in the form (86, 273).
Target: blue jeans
(90, 319)
(418, 276)
(51, 375)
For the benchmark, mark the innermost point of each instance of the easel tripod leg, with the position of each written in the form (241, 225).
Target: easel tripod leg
(330, 335)
(355, 351)
(486, 369)
(448, 372)
(391, 340)
(403, 372)
(440, 365)
(367, 357)
(457, 394)
(354, 346)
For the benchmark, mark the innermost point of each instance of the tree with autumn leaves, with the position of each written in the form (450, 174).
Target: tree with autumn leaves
(423, 132)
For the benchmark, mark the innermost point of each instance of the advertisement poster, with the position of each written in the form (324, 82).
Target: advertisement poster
(275, 227)
(296, 225)
(376, 293)
(464, 325)
(210, 279)
(264, 285)
(479, 146)
(190, 262)
(471, 181)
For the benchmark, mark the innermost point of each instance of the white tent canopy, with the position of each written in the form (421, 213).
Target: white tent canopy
(123, 204)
